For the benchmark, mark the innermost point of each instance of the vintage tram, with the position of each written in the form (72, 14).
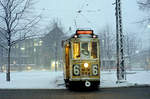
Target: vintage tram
(81, 58)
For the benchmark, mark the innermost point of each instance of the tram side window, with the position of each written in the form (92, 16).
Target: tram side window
(94, 50)
(76, 50)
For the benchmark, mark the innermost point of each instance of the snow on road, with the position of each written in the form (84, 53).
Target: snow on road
(54, 80)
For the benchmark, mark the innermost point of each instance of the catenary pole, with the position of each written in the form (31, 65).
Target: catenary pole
(119, 43)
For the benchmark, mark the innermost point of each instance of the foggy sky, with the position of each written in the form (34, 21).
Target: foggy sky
(94, 14)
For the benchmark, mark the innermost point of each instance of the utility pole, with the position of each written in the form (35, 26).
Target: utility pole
(56, 61)
(119, 43)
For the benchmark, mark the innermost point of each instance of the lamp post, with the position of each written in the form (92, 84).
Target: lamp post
(56, 57)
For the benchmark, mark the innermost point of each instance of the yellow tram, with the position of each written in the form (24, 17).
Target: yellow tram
(81, 57)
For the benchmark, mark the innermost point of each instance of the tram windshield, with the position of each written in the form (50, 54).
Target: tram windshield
(84, 50)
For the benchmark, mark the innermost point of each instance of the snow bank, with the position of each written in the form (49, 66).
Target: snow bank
(54, 80)
(133, 78)
(31, 80)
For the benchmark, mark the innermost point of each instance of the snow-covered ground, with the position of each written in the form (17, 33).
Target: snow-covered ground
(31, 80)
(133, 78)
(54, 80)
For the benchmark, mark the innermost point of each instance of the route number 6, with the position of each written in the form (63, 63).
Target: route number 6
(76, 70)
(95, 70)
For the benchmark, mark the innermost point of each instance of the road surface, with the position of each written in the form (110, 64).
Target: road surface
(104, 93)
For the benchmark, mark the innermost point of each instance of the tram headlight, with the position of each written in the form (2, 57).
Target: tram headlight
(94, 36)
(86, 65)
(75, 36)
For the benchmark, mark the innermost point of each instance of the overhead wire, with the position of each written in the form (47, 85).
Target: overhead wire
(80, 12)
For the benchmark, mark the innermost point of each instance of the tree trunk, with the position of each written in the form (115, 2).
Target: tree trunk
(8, 68)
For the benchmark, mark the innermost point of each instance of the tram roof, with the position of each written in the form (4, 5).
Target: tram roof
(81, 33)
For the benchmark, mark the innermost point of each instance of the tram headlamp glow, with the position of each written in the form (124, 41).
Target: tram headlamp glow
(75, 36)
(86, 65)
(94, 36)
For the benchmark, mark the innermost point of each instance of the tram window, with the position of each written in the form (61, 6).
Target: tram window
(76, 50)
(94, 50)
(85, 50)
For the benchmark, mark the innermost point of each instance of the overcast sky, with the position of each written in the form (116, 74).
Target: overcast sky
(94, 14)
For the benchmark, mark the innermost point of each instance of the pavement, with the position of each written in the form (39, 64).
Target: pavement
(142, 92)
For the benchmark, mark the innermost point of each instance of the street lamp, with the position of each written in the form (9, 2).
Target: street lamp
(137, 51)
(22, 48)
(148, 26)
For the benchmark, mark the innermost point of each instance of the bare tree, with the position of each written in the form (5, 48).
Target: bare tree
(15, 24)
(132, 45)
(144, 5)
(107, 46)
